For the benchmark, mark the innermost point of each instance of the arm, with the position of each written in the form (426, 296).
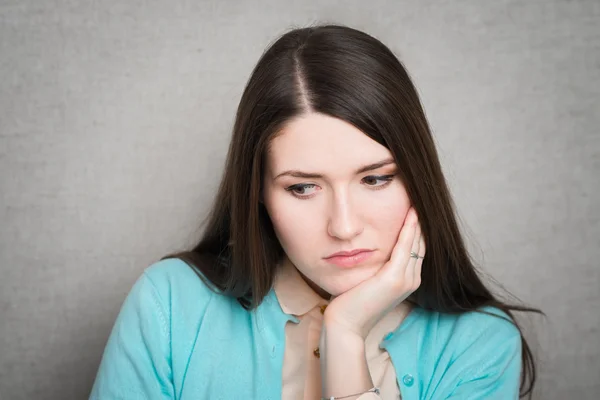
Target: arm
(348, 372)
(136, 362)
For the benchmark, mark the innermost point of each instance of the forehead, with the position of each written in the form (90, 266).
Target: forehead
(317, 142)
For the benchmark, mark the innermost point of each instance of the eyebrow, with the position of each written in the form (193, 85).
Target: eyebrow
(312, 175)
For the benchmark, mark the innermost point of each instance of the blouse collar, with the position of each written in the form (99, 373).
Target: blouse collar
(295, 296)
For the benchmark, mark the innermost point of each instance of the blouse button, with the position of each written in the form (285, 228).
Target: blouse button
(408, 380)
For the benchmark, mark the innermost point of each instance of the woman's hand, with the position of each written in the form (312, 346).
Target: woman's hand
(359, 309)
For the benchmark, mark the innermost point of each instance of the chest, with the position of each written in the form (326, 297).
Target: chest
(232, 355)
(242, 356)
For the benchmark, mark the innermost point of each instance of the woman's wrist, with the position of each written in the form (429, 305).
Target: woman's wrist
(344, 367)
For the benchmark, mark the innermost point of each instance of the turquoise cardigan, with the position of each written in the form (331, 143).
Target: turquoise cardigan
(176, 339)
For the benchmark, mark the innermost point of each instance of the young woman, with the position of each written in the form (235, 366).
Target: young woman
(332, 265)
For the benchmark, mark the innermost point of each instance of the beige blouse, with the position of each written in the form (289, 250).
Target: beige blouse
(301, 364)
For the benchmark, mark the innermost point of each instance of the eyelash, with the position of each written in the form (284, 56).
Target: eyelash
(386, 178)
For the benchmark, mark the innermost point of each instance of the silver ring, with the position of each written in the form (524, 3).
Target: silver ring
(415, 255)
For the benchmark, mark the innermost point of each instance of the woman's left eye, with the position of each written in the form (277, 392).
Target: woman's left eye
(374, 179)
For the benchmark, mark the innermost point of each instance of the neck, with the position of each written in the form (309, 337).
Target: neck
(318, 290)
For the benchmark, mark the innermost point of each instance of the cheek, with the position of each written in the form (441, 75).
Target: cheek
(388, 219)
(292, 229)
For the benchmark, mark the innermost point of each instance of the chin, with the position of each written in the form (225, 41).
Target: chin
(361, 276)
(341, 290)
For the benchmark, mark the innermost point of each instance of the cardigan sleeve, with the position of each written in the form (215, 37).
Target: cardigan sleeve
(136, 362)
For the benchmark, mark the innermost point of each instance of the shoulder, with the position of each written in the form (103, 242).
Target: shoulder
(467, 352)
(173, 278)
(154, 332)
(489, 335)
(489, 323)
(474, 354)
(486, 330)
(177, 293)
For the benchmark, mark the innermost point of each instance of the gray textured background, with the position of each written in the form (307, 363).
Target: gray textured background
(115, 118)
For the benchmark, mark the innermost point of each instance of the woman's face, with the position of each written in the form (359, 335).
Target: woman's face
(335, 209)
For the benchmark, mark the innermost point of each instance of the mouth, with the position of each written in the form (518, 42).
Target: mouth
(350, 259)
(347, 253)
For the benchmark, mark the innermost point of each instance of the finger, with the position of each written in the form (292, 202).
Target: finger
(410, 267)
(401, 251)
(419, 264)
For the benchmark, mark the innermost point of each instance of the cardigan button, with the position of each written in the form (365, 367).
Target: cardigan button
(408, 380)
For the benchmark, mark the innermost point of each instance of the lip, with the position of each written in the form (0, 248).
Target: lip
(349, 258)
(347, 253)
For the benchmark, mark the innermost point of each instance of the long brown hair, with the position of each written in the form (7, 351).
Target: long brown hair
(347, 74)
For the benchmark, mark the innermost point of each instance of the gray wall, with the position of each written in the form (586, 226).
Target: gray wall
(115, 118)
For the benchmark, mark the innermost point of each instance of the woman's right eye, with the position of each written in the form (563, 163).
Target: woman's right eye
(299, 190)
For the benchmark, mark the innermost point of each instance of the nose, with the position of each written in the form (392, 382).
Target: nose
(344, 221)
